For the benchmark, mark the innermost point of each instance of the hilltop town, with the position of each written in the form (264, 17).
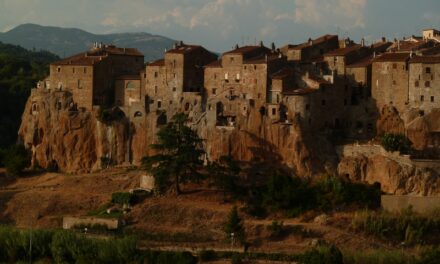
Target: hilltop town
(288, 106)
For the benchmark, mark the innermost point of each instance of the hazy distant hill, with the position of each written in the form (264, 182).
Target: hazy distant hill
(68, 41)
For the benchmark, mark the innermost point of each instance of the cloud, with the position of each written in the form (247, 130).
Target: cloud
(344, 13)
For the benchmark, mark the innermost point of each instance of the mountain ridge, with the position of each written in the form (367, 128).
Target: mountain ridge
(69, 41)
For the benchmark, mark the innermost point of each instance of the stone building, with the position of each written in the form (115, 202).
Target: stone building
(91, 76)
(312, 49)
(424, 83)
(240, 81)
(390, 80)
(175, 83)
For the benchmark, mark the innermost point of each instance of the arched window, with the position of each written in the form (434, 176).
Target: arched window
(138, 114)
(130, 85)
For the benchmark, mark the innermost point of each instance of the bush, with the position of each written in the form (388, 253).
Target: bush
(16, 159)
(405, 227)
(276, 229)
(207, 255)
(323, 255)
(123, 198)
(396, 142)
(234, 225)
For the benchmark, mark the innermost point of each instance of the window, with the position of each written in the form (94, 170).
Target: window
(394, 66)
(274, 111)
(231, 59)
(155, 89)
(259, 95)
(79, 84)
(394, 82)
(416, 84)
(214, 91)
(427, 84)
(428, 70)
(215, 76)
(307, 107)
(237, 77)
(73, 69)
(422, 98)
(255, 67)
(174, 89)
(432, 98)
(85, 70)
(171, 102)
(156, 74)
(226, 76)
(130, 85)
(59, 69)
(159, 104)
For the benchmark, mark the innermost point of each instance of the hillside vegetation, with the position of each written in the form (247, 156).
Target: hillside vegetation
(20, 69)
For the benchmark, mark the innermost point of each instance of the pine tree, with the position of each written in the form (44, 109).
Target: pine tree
(234, 225)
(179, 155)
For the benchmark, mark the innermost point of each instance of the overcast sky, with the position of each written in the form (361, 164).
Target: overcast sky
(219, 24)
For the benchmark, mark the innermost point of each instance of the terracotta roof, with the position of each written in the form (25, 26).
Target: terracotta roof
(128, 77)
(184, 49)
(160, 62)
(261, 59)
(283, 73)
(344, 51)
(367, 61)
(425, 59)
(381, 46)
(113, 50)
(392, 56)
(318, 79)
(79, 59)
(404, 46)
(317, 41)
(214, 64)
(299, 91)
(248, 49)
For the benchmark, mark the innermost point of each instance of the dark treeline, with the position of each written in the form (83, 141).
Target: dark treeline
(20, 70)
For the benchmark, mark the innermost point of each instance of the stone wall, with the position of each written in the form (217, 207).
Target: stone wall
(424, 92)
(419, 204)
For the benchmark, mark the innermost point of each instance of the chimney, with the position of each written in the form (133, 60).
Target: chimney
(374, 54)
(266, 58)
(384, 39)
(236, 46)
(273, 46)
(310, 42)
(398, 44)
(175, 45)
(261, 43)
(363, 42)
(181, 43)
(411, 54)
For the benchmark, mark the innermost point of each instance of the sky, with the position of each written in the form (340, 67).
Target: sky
(220, 24)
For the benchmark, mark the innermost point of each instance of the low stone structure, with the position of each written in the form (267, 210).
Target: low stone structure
(69, 222)
(419, 204)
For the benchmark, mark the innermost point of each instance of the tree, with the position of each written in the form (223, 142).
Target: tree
(225, 172)
(396, 142)
(16, 159)
(234, 226)
(179, 155)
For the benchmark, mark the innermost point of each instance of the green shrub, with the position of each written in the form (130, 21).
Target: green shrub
(234, 225)
(155, 257)
(323, 255)
(16, 159)
(276, 229)
(236, 259)
(406, 226)
(396, 142)
(122, 198)
(207, 255)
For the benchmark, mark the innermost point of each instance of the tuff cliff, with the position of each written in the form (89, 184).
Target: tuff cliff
(77, 141)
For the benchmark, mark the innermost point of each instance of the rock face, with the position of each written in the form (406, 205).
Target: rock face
(395, 177)
(78, 142)
(73, 140)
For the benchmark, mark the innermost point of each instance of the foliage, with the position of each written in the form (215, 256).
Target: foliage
(234, 225)
(396, 142)
(323, 255)
(20, 70)
(276, 229)
(180, 151)
(155, 257)
(225, 173)
(16, 159)
(379, 256)
(406, 226)
(123, 198)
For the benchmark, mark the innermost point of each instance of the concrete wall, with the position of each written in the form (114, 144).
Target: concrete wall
(69, 222)
(397, 203)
